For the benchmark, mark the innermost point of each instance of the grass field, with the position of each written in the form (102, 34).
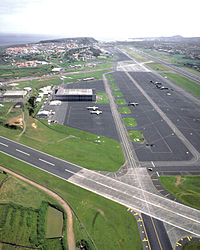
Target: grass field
(129, 122)
(12, 218)
(20, 207)
(124, 110)
(191, 245)
(108, 223)
(102, 98)
(12, 72)
(158, 67)
(22, 193)
(54, 223)
(185, 188)
(70, 144)
(136, 136)
(117, 94)
(184, 82)
(120, 101)
(39, 83)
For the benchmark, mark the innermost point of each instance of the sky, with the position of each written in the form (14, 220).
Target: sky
(103, 20)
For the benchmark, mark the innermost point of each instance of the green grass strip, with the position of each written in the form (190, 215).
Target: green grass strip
(120, 101)
(117, 94)
(136, 136)
(115, 89)
(190, 85)
(129, 122)
(124, 110)
(184, 188)
(112, 83)
(158, 67)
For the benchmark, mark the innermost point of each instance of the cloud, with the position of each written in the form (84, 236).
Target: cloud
(14, 6)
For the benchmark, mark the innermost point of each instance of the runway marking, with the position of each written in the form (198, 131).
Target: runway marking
(47, 162)
(4, 144)
(153, 164)
(22, 152)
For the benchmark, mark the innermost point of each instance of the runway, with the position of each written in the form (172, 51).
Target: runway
(140, 200)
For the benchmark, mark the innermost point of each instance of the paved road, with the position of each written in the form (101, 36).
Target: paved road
(173, 213)
(169, 65)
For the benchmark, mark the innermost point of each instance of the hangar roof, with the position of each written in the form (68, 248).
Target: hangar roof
(15, 93)
(62, 91)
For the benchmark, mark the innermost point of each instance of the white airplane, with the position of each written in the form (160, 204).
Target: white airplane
(97, 112)
(93, 107)
(133, 104)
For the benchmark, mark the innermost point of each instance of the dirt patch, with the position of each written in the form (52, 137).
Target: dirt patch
(99, 98)
(45, 79)
(178, 181)
(34, 125)
(16, 121)
(100, 211)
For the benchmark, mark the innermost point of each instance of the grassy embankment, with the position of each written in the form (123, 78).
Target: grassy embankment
(108, 223)
(187, 190)
(190, 85)
(69, 144)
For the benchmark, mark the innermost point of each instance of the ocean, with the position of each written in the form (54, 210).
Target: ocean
(14, 39)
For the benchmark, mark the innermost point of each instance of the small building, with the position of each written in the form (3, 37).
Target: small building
(56, 69)
(28, 89)
(74, 95)
(38, 100)
(15, 93)
(43, 113)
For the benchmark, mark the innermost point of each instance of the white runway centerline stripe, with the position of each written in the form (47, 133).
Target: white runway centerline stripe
(47, 162)
(4, 144)
(22, 152)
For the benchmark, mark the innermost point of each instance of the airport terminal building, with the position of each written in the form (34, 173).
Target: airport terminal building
(75, 95)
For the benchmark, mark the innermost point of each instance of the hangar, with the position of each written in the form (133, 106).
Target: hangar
(74, 95)
(15, 94)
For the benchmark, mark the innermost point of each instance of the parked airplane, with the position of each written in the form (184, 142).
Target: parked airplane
(133, 104)
(97, 112)
(93, 107)
(161, 88)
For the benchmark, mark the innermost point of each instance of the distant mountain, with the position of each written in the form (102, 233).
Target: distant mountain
(167, 39)
(80, 40)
